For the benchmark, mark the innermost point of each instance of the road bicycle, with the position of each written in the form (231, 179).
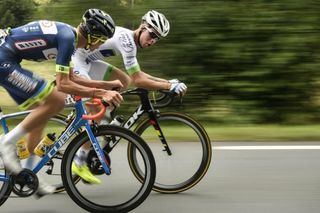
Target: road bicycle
(116, 193)
(184, 153)
(180, 145)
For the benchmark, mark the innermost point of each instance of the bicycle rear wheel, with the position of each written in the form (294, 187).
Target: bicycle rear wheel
(5, 188)
(51, 172)
(120, 191)
(190, 147)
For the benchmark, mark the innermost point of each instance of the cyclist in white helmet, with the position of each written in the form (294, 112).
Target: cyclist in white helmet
(154, 26)
(89, 64)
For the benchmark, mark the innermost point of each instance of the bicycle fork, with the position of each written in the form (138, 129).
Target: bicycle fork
(98, 149)
(153, 115)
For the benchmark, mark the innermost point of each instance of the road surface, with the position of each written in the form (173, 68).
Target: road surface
(278, 177)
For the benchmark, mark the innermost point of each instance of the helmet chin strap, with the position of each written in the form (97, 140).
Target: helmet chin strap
(88, 42)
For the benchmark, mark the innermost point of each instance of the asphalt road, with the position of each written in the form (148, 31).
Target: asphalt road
(243, 178)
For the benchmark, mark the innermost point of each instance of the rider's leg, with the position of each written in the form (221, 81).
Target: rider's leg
(37, 118)
(33, 138)
(27, 90)
(52, 105)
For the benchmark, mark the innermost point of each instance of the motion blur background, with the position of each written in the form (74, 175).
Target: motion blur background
(246, 62)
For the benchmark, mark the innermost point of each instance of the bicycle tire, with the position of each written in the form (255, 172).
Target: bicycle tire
(185, 183)
(59, 123)
(84, 196)
(5, 190)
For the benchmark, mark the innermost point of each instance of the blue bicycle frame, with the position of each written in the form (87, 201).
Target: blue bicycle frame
(76, 124)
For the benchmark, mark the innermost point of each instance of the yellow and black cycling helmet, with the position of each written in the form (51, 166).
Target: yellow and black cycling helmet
(98, 23)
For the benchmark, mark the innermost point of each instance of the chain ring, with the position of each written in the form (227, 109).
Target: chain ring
(25, 183)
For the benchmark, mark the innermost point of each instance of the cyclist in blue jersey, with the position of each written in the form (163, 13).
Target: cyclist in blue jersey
(44, 40)
(125, 42)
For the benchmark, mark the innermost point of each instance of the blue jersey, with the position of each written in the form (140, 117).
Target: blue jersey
(37, 41)
(43, 40)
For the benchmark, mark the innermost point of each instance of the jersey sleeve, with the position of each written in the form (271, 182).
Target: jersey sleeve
(81, 66)
(65, 40)
(128, 50)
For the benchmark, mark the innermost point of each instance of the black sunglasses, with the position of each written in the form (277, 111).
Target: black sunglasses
(153, 35)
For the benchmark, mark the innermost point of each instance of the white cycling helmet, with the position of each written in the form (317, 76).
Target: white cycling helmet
(158, 22)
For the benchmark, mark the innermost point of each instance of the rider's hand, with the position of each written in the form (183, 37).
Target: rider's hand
(116, 85)
(112, 97)
(178, 87)
(172, 81)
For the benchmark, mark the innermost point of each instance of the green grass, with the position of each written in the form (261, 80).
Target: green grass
(237, 133)
(264, 133)
(216, 133)
(247, 133)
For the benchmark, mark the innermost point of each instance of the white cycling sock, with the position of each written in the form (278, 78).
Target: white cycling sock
(14, 135)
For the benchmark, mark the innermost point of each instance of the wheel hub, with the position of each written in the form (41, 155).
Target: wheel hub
(94, 162)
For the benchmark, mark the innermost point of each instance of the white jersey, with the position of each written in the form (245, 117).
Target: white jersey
(90, 64)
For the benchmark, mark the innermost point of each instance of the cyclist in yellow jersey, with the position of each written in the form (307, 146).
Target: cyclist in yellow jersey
(44, 40)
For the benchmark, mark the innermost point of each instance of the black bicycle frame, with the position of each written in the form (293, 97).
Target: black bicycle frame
(145, 107)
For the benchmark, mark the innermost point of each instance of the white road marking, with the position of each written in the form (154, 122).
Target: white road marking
(268, 147)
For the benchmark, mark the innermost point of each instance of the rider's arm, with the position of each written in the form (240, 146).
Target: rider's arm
(65, 85)
(155, 78)
(138, 77)
(65, 40)
(143, 80)
(94, 83)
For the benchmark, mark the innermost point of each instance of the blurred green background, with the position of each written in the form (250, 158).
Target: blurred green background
(251, 67)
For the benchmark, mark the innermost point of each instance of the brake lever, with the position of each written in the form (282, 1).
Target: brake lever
(105, 103)
(116, 89)
(180, 99)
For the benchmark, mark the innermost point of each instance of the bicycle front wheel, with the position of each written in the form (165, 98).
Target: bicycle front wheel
(190, 147)
(120, 191)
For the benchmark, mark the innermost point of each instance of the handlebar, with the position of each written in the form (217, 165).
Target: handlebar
(166, 98)
(96, 102)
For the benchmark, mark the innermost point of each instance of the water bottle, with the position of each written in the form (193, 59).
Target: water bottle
(117, 121)
(45, 144)
(22, 150)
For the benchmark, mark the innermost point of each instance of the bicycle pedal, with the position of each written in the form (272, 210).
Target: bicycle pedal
(49, 171)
